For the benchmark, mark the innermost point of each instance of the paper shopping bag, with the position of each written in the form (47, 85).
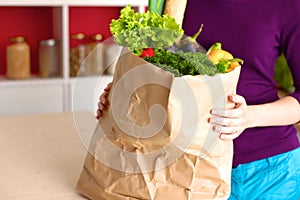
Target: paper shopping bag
(154, 141)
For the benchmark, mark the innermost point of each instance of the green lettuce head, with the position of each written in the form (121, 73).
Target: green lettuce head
(142, 30)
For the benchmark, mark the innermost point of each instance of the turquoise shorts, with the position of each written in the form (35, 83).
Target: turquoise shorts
(274, 178)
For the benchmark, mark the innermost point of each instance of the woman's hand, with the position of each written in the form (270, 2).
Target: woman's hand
(230, 123)
(103, 101)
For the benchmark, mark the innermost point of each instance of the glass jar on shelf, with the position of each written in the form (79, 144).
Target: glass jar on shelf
(48, 58)
(18, 58)
(77, 54)
(95, 54)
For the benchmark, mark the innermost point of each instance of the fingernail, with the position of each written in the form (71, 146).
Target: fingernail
(233, 97)
(212, 120)
(213, 112)
(217, 129)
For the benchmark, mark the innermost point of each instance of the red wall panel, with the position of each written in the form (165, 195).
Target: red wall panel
(92, 20)
(35, 23)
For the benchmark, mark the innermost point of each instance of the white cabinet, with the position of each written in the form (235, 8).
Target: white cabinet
(85, 92)
(63, 93)
(28, 97)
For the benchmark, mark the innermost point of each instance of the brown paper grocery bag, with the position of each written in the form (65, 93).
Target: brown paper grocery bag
(154, 141)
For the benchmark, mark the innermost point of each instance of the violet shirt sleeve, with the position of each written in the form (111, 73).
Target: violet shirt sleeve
(290, 41)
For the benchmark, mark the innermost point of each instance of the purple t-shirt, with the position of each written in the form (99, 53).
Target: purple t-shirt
(255, 31)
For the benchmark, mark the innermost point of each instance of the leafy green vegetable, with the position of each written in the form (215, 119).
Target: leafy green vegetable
(283, 76)
(224, 65)
(142, 30)
(150, 30)
(183, 63)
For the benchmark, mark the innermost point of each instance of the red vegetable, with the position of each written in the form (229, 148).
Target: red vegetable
(148, 52)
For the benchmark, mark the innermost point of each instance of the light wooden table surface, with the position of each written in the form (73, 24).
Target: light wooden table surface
(41, 156)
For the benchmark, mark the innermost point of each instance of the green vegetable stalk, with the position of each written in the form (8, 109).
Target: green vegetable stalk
(189, 43)
(216, 45)
(156, 6)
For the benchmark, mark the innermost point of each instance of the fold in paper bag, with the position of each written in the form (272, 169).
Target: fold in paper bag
(154, 141)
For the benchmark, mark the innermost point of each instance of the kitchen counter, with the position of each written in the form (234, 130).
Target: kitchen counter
(42, 155)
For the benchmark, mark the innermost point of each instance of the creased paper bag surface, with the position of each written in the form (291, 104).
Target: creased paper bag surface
(154, 141)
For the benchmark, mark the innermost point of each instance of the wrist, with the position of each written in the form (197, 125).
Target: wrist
(253, 120)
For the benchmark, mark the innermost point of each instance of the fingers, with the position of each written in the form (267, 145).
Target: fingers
(227, 128)
(231, 136)
(229, 113)
(99, 114)
(221, 121)
(103, 102)
(237, 111)
(103, 98)
(107, 88)
(228, 133)
(101, 108)
(230, 123)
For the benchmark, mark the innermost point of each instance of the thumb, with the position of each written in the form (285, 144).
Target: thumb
(237, 99)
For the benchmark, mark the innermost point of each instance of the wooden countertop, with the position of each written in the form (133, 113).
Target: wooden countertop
(42, 155)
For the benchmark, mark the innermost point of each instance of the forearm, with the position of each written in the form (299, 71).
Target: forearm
(284, 111)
